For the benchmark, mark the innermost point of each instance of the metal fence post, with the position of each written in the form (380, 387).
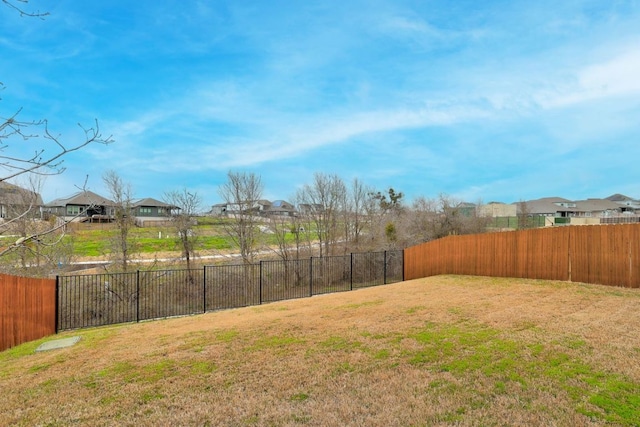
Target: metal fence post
(260, 281)
(351, 272)
(204, 289)
(137, 295)
(310, 276)
(384, 268)
(57, 303)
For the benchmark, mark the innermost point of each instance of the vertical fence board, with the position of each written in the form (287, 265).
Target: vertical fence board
(27, 309)
(633, 236)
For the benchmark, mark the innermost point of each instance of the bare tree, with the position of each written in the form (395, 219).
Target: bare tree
(422, 220)
(525, 218)
(444, 216)
(241, 192)
(361, 220)
(322, 202)
(356, 221)
(185, 206)
(123, 246)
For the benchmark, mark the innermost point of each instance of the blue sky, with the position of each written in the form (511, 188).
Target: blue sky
(481, 100)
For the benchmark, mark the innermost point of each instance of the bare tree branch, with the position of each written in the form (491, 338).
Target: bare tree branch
(13, 5)
(41, 162)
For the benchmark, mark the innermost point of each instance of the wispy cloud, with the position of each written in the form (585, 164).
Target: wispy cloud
(613, 78)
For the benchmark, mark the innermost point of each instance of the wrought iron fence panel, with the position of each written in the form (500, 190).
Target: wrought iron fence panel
(394, 263)
(231, 286)
(96, 300)
(330, 274)
(167, 293)
(368, 269)
(284, 279)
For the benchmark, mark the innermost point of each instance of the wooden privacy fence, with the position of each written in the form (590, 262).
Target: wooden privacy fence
(27, 309)
(600, 254)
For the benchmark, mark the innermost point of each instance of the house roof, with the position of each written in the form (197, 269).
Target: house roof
(619, 198)
(14, 195)
(81, 198)
(552, 205)
(596, 205)
(149, 201)
(281, 205)
(546, 205)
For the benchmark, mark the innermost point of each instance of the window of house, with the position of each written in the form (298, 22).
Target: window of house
(145, 211)
(73, 210)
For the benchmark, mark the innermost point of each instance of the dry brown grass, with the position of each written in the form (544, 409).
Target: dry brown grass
(438, 351)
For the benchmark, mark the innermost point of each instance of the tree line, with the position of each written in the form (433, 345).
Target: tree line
(332, 217)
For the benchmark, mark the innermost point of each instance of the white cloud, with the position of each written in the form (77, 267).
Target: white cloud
(315, 132)
(617, 77)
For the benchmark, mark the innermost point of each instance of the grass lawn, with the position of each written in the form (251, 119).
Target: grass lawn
(446, 350)
(95, 240)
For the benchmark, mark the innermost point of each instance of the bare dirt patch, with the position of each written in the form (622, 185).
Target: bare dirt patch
(438, 351)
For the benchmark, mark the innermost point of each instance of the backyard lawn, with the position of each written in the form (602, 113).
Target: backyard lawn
(445, 350)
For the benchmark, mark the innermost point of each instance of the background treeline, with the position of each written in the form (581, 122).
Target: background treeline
(332, 217)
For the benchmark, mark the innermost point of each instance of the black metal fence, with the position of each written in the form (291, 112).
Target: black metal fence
(104, 299)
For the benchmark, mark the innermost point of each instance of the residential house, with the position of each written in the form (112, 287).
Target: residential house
(150, 211)
(596, 208)
(82, 206)
(559, 211)
(261, 207)
(219, 209)
(310, 208)
(236, 208)
(280, 208)
(627, 204)
(467, 209)
(16, 201)
(497, 209)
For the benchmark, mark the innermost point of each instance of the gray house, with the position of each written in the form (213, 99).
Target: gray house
(150, 211)
(558, 210)
(280, 208)
(627, 204)
(15, 201)
(82, 206)
(260, 207)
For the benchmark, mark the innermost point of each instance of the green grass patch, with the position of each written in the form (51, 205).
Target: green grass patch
(226, 336)
(299, 397)
(363, 304)
(97, 241)
(202, 367)
(416, 309)
(472, 350)
(275, 342)
(340, 343)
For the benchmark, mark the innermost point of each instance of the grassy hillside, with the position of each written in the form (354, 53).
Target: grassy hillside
(439, 351)
(91, 240)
